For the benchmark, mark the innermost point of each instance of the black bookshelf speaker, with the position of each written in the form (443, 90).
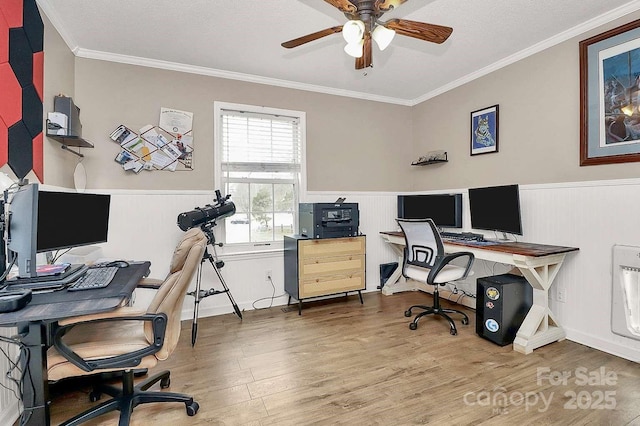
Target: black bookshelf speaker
(502, 303)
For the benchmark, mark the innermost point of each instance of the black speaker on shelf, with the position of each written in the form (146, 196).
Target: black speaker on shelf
(502, 303)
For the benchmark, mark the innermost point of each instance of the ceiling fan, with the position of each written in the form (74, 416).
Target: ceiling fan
(364, 25)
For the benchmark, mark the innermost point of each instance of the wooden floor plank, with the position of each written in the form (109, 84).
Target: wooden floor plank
(341, 362)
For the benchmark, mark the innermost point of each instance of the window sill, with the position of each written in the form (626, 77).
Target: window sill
(251, 251)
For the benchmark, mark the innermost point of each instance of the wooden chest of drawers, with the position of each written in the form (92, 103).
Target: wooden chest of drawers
(321, 267)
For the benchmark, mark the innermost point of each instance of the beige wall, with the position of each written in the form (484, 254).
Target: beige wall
(351, 144)
(539, 139)
(58, 78)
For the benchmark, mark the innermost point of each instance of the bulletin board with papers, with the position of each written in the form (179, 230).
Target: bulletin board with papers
(167, 146)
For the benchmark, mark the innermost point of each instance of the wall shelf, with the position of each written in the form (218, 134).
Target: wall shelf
(433, 157)
(428, 162)
(69, 140)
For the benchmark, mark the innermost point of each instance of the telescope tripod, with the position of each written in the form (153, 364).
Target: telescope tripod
(200, 294)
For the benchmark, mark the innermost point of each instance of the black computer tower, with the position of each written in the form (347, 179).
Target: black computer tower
(501, 305)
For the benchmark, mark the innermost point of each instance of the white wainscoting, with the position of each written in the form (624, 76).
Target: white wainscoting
(9, 404)
(592, 216)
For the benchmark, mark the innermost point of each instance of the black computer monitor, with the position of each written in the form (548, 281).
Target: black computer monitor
(41, 221)
(496, 208)
(444, 209)
(21, 229)
(70, 219)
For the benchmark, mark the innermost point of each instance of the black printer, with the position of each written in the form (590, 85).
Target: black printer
(328, 220)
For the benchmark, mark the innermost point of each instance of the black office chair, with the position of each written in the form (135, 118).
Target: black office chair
(426, 261)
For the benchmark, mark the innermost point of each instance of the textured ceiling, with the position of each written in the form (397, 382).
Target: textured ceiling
(241, 39)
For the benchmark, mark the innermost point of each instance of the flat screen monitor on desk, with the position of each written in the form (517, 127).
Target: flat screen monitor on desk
(496, 208)
(42, 221)
(444, 209)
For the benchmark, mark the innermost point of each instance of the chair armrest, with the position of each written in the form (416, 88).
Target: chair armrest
(152, 283)
(131, 359)
(118, 313)
(444, 260)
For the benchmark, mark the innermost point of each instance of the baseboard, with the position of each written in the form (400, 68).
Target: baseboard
(210, 311)
(607, 346)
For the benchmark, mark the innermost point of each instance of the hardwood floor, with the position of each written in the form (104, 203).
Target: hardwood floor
(346, 363)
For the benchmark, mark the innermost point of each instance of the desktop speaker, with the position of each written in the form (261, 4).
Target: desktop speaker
(501, 305)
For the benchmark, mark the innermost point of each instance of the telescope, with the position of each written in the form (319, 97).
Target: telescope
(209, 213)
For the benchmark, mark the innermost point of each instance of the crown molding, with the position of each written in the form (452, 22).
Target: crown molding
(55, 21)
(536, 48)
(212, 72)
(589, 25)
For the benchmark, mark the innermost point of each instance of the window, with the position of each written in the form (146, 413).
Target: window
(259, 161)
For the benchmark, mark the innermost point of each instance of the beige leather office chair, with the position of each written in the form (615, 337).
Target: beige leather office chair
(426, 261)
(127, 338)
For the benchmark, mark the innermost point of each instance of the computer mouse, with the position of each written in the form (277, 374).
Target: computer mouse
(118, 263)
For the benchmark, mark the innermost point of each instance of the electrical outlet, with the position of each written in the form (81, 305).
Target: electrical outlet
(268, 275)
(561, 294)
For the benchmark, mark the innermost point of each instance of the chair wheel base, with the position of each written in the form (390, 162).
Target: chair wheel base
(465, 321)
(413, 326)
(94, 396)
(407, 313)
(453, 331)
(192, 408)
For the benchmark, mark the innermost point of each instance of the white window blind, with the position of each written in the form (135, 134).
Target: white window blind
(260, 142)
(260, 160)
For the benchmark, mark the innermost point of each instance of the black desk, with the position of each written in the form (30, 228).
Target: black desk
(37, 320)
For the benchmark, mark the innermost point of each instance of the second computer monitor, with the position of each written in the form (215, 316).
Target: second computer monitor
(444, 209)
(496, 208)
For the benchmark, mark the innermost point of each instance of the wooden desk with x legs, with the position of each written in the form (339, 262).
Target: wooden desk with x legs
(538, 263)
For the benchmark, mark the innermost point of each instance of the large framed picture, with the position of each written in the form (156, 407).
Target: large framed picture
(610, 96)
(484, 130)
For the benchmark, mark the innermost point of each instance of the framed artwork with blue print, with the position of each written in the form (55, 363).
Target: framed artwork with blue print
(484, 130)
(610, 96)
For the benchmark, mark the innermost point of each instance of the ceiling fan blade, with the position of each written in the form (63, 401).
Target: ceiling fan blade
(343, 5)
(311, 37)
(366, 59)
(420, 30)
(387, 5)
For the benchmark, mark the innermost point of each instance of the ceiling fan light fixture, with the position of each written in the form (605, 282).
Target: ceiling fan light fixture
(382, 36)
(353, 31)
(355, 49)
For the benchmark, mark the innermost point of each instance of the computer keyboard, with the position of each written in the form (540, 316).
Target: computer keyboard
(94, 278)
(462, 236)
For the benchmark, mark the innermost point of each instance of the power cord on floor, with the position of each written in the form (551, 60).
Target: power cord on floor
(461, 294)
(273, 296)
